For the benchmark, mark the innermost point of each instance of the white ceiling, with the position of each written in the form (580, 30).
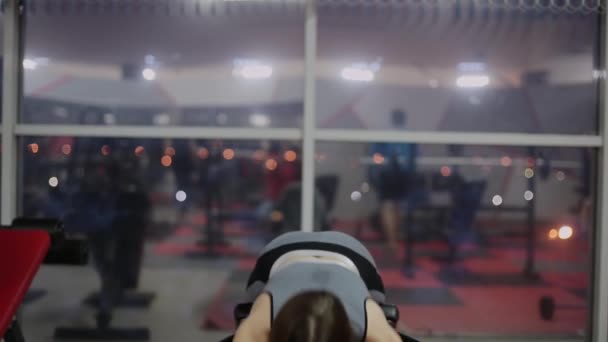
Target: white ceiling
(415, 33)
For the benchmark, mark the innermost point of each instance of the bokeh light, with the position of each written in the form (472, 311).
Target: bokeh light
(53, 182)
(378, 158)
(66, 149)
(105, 150)
(271, 164)
(33, 148)
(355, 196)
(166, 161)
(139, 150)
(228, 154)
(446, 171)
(181, 196)
(290, 156)
(497, 200)
(506, 161)
(529, 173)
(553, 234)
(276, 216)
(565, 232)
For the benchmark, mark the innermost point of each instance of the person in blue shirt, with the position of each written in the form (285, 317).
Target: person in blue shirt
(393, 166)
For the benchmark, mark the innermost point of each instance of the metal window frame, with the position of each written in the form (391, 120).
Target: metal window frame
(599, 299)
(309, 122)
(309, 134)
(10, 107)
(232, 133)
(460, 138)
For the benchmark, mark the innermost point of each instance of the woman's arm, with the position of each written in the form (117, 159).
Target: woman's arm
(256, 327)
(378, 329)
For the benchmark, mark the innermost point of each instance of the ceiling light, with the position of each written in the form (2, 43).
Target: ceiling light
(29, 64)
(357, 74)
(149, 74)
(251, 69)
(472, 81)
(259, 120)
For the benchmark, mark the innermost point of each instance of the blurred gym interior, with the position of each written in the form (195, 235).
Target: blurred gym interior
(460, 140)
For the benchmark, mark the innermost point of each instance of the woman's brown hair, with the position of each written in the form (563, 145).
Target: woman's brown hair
(314, 316)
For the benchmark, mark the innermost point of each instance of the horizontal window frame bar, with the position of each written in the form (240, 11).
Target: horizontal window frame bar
(320, 134)
(459, 138)
(177, 132)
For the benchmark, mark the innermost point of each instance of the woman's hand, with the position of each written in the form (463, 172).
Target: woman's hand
(256, 327)
(378, 329)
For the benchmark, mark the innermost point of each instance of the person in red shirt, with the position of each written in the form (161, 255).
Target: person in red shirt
(282, 167)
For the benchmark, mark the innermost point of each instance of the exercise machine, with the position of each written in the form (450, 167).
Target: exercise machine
(24, 246)
(21, 254)
(368, 272)
(466, 204)
(65, 249)
(547, 307)
(116, 249)
(127, 240)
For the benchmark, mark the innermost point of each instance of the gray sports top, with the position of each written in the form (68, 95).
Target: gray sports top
(349, 287)
(343, 283)
(259, 276)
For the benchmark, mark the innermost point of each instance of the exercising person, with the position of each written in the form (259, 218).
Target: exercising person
(391, 174)
(321, 286)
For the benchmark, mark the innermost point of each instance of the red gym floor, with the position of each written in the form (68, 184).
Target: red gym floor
(485, 294)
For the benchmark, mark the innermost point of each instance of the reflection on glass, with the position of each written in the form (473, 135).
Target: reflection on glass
(179, 63)
(473, 66)
(469, 239)
(176, 203)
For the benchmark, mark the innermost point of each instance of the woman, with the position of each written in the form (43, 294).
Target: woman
(319, 287)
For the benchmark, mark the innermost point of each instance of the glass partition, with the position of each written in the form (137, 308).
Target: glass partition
(470, 66)
(155, 211)
(159, 63)
(470, 239)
